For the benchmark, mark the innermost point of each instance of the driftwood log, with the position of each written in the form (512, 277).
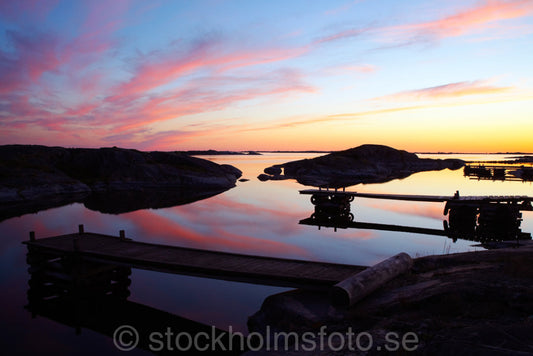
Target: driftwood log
(351, 290)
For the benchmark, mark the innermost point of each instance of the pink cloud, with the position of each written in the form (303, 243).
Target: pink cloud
(35, 10)
(79, 93)
(363, 68)
(289, 123)
(346, 34)
(104, 17)
(208, 56)
(255, 57)
(29, 96)
(342, 8)
(35, 53)
(143, 139)
(138, 107)
(450, 90)
(211, 93)
(354, 68)
(33, 56)
(483, 16)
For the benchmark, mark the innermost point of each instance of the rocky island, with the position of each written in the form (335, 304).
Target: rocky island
(36, 177)
(363, 164)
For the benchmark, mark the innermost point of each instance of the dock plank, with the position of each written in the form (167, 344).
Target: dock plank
(415, 197)
(205, 263)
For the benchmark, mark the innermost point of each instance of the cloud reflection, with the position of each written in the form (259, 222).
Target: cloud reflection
(220, 224)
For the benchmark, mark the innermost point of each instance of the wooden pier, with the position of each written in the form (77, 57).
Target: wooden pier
(189, 261)
(511, 172)
(348, 194)
(413, 197)
(478, 218)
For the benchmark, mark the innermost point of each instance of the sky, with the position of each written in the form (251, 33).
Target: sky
(424, 76)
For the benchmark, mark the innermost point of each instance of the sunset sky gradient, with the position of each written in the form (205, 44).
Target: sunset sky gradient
(268, 75)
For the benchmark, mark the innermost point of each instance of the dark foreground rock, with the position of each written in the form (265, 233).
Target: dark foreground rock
(363, 164)
(478, 303)
(34, 177)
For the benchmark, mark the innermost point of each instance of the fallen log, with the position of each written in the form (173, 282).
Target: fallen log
(353, 289)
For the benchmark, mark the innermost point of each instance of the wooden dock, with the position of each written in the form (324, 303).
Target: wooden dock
(516, 172)
(477, 218)
(326, 192)
(189, 261)
(414, 197)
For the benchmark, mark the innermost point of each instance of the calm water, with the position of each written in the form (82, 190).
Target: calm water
(253, 218)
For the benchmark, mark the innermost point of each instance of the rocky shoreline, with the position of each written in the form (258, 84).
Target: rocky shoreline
(33, 177)
(363, 164)
(475, 303)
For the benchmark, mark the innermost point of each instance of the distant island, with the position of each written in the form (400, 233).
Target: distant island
(307, 151)
(35, 177)
(216, 153)
(363, 164)
(522, 159)
(473, 153)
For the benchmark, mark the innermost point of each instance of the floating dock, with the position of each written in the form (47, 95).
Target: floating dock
(203, 263)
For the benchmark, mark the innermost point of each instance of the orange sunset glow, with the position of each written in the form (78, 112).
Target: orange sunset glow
(451, 76)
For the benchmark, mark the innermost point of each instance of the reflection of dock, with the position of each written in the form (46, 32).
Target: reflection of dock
(89, 295)
(212, 264)
(371, 226)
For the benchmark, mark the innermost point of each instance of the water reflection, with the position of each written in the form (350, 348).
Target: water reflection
(127, 201)
(8, 211)
(471, 220)
(113, 202)
(91, 295)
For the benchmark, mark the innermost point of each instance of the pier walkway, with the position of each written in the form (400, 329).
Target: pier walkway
(422, 198)
(196, 262)
(478, 218)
